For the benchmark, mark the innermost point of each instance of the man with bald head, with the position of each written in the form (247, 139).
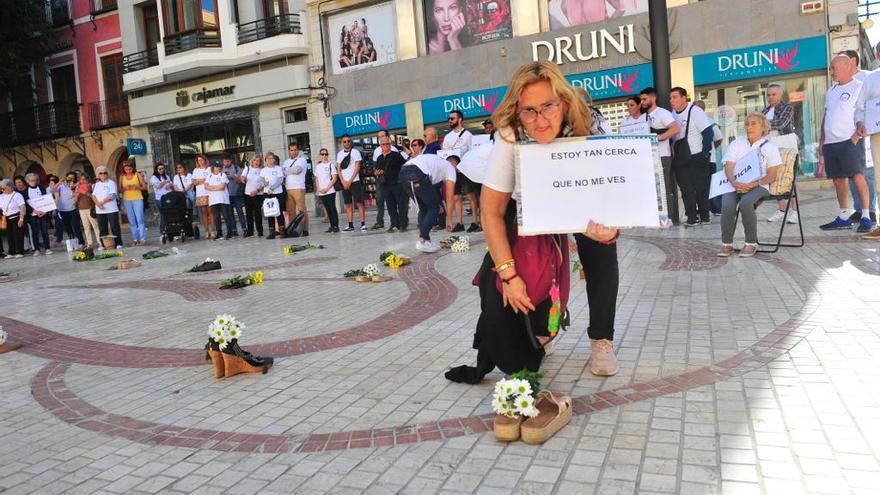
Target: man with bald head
(432, 142)
(842, 146)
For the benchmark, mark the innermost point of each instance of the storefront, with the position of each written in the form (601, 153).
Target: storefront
(362, 126)
(734, 84)
(239, 115)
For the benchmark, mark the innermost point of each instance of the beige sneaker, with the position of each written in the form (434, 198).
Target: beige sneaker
(748, 250)
(726, 250)
(603, 362)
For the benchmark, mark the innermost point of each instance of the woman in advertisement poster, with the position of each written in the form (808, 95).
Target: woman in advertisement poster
(568, 13)
(457, 23)
(447, 25)
(524, 296)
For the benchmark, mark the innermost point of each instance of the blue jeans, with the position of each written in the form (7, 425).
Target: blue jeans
(223, 208)
(236, 203)
(857, 203)
(428, 199)
(158, 204)
(39, 228)
(135, 211)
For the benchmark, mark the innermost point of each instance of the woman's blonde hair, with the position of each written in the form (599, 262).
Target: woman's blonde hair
(578, 115)
(765, 124)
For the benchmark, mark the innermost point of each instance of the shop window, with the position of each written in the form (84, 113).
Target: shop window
(806, 95)
(214, 138)
(215, 141)
(295, 115)
(190, 141)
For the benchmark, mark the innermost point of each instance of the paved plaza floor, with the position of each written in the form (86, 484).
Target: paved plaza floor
(737, 375)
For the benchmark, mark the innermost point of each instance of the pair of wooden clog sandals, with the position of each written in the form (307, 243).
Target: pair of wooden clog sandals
(234, 360)
(554, 412)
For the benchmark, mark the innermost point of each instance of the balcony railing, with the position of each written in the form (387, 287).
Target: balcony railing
(266, 28)
(190, 40)
(39, 123)
(104, 114)
(140, 60)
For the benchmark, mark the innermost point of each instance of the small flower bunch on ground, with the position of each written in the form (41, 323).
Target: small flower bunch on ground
(224, 329)
(515, 396)
(3, 335)
(159, 253)
(296, 249)
(449, 241)
(394, 261)
(462, 245)
(239, 281)
(370, 270)
(89, 255)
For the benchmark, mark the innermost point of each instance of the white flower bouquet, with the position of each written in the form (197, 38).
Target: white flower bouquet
(225, 329)
(514, 397)
(3, 336)
(461, 245)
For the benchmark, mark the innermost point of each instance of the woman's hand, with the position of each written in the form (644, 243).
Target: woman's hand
(515, 294)
(743, 188)
(572, 245)
(599, 232)
(458, 24)
(20, 220)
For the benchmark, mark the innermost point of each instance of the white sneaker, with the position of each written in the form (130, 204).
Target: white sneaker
(793, 218)
(119, 247)
(420, 245)
(49, 251)
(430, 247)
(776, 216)
(100, 248)
(36, 253)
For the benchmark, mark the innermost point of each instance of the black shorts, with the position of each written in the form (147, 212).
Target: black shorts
(844, 159)
(468, 186)
(355, 192)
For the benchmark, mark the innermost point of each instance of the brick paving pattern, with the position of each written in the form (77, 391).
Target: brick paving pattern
(737, 376)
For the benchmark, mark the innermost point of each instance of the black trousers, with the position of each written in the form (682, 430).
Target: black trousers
(397, 201)
(109, 222)
(691, 173)
(72, 226)
(603, 280)
(329, 202)
(253, 210)
(15, 235)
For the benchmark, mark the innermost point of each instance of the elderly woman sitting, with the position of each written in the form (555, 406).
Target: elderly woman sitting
(747, 194)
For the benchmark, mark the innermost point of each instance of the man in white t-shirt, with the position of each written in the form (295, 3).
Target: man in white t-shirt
(842, 146)
(690, 160)
(868, 93)
(348, 163)
(295, 168)
(218, 199)
(664, 125)
(421, 177)
(458, 138)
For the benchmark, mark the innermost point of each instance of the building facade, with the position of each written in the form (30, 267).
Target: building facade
(401, 65)
(72, 113)
(217, 77)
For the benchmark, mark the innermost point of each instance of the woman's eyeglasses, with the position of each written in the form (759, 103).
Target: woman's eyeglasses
(324, 154)
(547, 110)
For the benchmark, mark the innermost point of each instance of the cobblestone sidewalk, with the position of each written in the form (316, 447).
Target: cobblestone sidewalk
(737, 375)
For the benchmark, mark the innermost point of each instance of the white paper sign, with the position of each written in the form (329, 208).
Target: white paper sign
(479, 140)
(565, 184)
(636, 128)
(44, 203)
(872, 116)
(748, 169)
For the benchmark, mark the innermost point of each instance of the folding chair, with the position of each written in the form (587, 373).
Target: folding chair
(789, 171)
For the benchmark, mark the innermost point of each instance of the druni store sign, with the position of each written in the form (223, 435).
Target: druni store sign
(577, 48)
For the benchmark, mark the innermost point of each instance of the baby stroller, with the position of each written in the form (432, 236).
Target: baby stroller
(178, 217)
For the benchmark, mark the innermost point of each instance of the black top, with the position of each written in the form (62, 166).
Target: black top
(391, 164)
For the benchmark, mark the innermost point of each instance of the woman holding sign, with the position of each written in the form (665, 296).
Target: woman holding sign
(747, 194)
(524, 281)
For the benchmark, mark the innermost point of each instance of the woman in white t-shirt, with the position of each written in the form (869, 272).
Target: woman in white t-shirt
(105, 194)
(218, 200)
(12, 207)
(273, 176)
(325, 182)
(199, 174)
(252, 178)
(540, 106)
(634, 122)
(161, 184)
(747, 194)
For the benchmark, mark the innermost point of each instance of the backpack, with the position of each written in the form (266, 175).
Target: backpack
(295, 228)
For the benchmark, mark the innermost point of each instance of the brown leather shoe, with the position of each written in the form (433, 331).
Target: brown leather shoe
(872, 235)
